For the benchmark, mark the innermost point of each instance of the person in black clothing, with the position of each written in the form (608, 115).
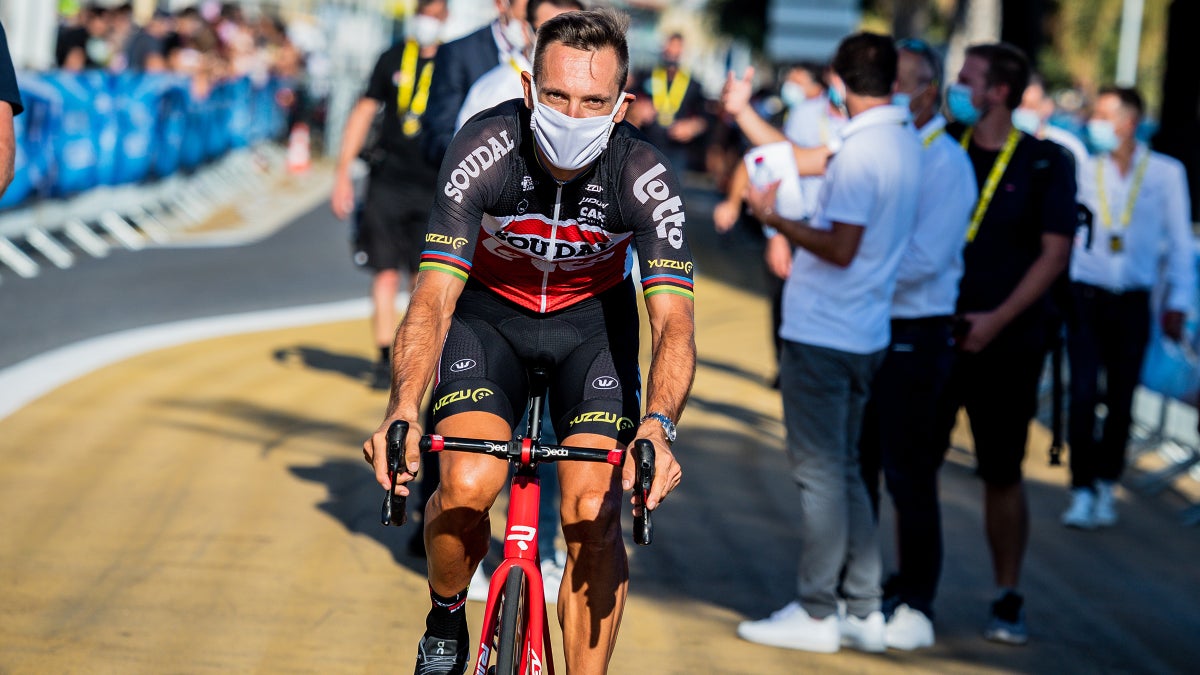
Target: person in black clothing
(400, 188)
(84, 45)
(1018, 244)
(680, 119)
(146, 50)
(10, 95)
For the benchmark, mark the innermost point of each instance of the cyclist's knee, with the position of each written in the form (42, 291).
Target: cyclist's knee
(592, 516)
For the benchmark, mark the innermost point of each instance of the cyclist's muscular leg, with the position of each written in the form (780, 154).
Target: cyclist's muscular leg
(596, 579)
(457, 528)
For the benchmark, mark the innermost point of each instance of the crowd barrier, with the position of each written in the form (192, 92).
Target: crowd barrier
(100, 153)
(1171, 373)
(90, 129)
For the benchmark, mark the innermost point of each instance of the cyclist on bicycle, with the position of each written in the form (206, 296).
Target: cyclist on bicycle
(563, 188)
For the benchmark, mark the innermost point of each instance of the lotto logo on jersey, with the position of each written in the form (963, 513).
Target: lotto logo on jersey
(668, 215)
(475, 163)
(461, 395)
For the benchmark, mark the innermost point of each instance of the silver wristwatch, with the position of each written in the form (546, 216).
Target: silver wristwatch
(667, 425)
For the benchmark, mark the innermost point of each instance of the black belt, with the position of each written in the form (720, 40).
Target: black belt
(923, 322)
(1130, 293)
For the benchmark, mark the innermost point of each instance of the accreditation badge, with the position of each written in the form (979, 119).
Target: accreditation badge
(411, 125)
(1116, 243)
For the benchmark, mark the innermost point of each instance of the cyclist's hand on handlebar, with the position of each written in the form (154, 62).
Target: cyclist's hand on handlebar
(667, 472)
(375, 454)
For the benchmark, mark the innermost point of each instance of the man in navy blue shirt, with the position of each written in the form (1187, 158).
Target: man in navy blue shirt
(10, 95)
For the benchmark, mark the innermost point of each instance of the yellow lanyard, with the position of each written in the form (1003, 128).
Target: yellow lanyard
(932, 137)
(412, 95)
(668, 100)
(993, 179)
(515, 66)
(1127, 215)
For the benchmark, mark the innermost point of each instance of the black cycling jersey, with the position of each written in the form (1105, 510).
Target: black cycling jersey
(503, 220)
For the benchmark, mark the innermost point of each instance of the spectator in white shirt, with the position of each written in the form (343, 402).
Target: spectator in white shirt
(1033, 117)
(898, 423)
(1141, 213)
(836, 331)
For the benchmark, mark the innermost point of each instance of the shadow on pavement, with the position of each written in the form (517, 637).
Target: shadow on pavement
(354, 367)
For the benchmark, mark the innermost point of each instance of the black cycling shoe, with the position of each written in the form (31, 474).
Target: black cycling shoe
(439, 656)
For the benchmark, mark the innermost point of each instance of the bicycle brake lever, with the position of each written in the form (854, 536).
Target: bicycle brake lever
(643, 456)
(394, 511)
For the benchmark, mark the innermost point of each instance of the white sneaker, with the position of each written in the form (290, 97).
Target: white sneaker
(1082, 512)
(477, 591)
(1105, 513)
(792, 628)
(865, 635)
(552, 575)
(909, 629)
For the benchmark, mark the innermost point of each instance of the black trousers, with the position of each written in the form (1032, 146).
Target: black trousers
(899, 437)
(1107, 335)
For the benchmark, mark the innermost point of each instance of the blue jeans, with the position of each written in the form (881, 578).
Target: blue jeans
(824, 393)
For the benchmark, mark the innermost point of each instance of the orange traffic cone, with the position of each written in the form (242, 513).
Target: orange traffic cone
(299, 155)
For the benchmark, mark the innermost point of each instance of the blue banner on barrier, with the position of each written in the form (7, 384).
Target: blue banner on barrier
(83, 130)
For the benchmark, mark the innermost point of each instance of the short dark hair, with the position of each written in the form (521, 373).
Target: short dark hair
(532, 7)
(1128, 96)
(589, 31)
(866, 62)
(815, 70)
(1007, 65)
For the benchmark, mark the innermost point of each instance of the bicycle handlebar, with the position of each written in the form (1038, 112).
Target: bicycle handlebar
(527, 452)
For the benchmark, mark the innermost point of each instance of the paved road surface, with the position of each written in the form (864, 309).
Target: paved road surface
(205, 508)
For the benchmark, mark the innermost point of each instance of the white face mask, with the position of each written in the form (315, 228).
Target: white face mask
(514, 33)
(570, 143)
(424, 29)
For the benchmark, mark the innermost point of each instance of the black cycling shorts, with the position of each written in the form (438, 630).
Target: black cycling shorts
(390, 226)
(590, 352)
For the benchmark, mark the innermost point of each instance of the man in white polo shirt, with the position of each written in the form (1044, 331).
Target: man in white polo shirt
(898, 424)
(835, 334)
(1139, 201)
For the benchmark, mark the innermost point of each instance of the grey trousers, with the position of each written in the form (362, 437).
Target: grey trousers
(824, 393)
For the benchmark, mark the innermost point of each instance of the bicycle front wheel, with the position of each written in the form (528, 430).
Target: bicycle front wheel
(513, 612)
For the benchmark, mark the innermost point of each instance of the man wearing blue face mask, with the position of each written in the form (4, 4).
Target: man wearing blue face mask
(1018, 243)
(527, 262)
(1141, 207)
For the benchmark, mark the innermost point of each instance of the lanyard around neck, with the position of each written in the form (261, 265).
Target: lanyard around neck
(668, 100)
(993, 179)
(932, 137)
(412, 95)
(1127, 214)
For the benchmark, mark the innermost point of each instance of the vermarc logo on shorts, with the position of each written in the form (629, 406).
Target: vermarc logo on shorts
(605, 382)
(461, 365)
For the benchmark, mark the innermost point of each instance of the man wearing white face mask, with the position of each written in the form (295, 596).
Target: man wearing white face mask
(400, 186)
(1142, 213)
(462, 62)
(570, 189)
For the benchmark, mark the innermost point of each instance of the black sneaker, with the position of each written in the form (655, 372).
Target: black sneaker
(381, 376)
(439, 656)
(1007, 621)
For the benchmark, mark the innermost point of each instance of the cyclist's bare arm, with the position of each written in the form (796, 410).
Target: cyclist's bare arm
(672, 369)
(414, 356)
